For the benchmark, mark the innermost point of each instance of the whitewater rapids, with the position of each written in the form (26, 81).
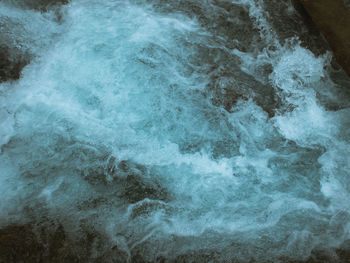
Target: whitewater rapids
(175, 131)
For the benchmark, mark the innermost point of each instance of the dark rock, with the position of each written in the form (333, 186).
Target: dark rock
(137, 184)
(138, 188)
(228, 85)
(19, 244)
(48, 242)
(10, 67)
(16, 41)
(40, 5)
(333, 20)
(293, 21)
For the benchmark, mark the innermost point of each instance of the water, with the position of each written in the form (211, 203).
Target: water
(187, 131)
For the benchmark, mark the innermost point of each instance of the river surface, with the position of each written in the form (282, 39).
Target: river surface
(175, 131)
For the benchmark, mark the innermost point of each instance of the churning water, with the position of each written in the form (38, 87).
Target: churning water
(174, 131)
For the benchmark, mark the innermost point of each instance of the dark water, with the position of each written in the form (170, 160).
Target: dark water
(172, 131)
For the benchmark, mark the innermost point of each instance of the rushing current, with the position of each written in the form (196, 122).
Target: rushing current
(173, 131)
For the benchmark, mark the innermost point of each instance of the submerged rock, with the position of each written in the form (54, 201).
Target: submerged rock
(19, 39)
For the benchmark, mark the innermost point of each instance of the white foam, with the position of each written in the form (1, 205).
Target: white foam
(116, 89)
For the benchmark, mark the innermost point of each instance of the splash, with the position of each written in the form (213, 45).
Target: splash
(170, 134)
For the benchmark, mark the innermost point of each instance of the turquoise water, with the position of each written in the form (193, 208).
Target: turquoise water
(175, 129)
